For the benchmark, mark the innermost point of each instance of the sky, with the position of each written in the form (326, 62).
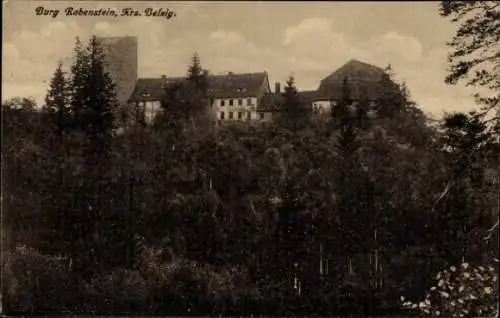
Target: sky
(308, 40)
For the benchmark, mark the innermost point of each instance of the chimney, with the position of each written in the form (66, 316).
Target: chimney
(277, 88)
(163, 81)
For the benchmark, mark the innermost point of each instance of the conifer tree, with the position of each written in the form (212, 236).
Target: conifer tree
(390, 97)
(57, 102)
(195, 70)
(389, 72)
(100, 104)
(344, 115)
(293, 112)
(187, 101)
(467, 141)
(57, 109)
(351, 180)
(77, 85)
(197, 76)
(475, 58)
(93, 104)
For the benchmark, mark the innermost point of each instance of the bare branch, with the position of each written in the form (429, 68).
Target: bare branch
(491, 230)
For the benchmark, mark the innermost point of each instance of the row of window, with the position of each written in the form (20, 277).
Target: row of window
(240, 102)
(241, 115)
(334, 103)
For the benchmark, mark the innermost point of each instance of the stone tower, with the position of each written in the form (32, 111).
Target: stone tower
(121, 63)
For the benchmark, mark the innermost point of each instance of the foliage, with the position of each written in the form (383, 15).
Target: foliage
(294, 113)
(185, 217)
(185, 104)
(463, 291)
(57, 102)
(34, 282)
(475, 55)
(24, 104)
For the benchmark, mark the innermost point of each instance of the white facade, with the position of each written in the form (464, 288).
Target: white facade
(323, 106)
(149, 109)
(326, 106)
(227, 109)
(238, 109)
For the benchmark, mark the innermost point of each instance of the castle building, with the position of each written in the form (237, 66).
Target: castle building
(233, 97)
(364, 81)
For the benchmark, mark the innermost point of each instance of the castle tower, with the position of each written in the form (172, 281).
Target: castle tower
(121, 63)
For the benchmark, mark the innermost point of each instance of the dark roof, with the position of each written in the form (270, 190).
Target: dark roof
(308, 96)
(236, 85)
(272, 102)
(364, 79)
(147, 89)
(220, 86)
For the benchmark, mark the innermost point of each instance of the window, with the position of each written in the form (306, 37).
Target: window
(149, 111)
(140, 113)
(240, 102)
(249, 115)
(230, 115)
(240, 115)
(222, 102)
(230, 102)
(261, 115)
(249, 101)
(221, 115)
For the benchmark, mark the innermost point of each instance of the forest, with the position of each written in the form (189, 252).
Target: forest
(360, 212)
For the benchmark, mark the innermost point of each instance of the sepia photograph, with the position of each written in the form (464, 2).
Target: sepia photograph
(250, 158)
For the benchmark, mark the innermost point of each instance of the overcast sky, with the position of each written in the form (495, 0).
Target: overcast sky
(307, 39)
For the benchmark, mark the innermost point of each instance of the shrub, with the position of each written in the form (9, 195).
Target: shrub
(122, 291)
(461, 291)
(36, 282)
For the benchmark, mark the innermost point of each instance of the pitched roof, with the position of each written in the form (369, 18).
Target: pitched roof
(364, 79)
(235, 85)
(308, 96)
(220, 86)
(272, 102)
(149, 89)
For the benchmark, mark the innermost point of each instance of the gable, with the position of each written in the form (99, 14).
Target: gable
(364, 80)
